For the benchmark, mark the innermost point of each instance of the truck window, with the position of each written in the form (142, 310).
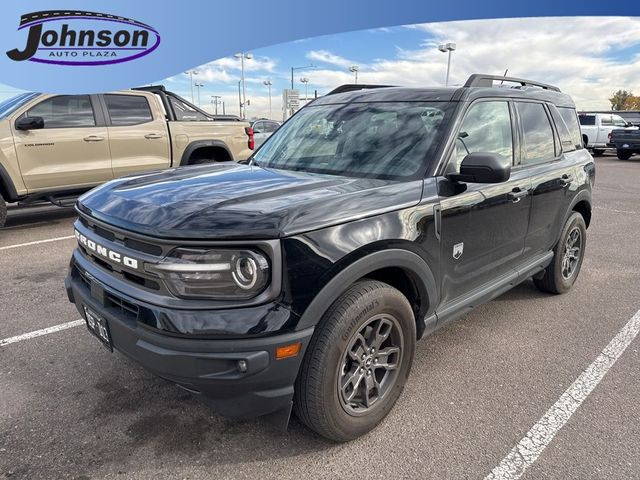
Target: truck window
(128, 109)
(185, 113)
(571, 121)
(64, 111)
(618, 121)
(605, 120)
(587, 120)
(487, 129)
(538, 143)
(566, 139)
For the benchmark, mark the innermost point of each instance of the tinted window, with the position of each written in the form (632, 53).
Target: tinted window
(392, 140)
(64, 111)
(566, 139)
(486, 128)
(185, 112)
(128, 109)
(571, 121)
(272, 126)
(538, 142)
(587, 120)
(258, 127)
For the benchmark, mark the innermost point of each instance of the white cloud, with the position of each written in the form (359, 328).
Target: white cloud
(324, 56)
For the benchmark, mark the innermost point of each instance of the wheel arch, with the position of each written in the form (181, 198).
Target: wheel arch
(402, 269)
(7, 188)
(202, 144)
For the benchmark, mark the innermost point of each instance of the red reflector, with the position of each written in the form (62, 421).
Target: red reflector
(251, 142)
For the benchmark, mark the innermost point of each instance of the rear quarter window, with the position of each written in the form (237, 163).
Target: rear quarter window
(587, 120)
(571, 121)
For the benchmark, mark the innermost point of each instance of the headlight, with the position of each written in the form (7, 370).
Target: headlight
(214, 274)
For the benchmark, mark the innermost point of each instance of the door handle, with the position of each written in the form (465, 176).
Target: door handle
(151, 136)
(517, 194)
(566, 180)
(93, 138)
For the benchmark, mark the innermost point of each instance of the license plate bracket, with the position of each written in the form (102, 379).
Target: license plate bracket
(99, 327)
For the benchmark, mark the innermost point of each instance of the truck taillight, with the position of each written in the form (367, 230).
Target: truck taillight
(251, 143)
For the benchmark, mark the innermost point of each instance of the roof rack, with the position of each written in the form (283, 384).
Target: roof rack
(481, 80)
(151, 88)
(350, 87)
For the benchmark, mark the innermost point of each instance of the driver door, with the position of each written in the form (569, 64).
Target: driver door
(483, 226)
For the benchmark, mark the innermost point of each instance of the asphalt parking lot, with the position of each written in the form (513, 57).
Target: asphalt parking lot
(71, 409)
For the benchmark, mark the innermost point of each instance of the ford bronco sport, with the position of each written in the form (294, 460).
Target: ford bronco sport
(53, 147)
(304, 279)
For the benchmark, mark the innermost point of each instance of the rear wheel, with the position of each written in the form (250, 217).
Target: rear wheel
(568, 254)
(597, 152)
(357, 363)
(623, 154)
(3, 211)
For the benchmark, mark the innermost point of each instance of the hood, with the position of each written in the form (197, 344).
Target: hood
(233, 201)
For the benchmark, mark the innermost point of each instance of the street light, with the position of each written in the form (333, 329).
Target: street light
(242, 56)
(268, 85)
(311, 65)
(191, 73)
(447, 47)
(354, 69)
(215, 99)
(305, 80)
(198, 86)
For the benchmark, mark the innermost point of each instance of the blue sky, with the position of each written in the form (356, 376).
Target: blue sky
(587, 57)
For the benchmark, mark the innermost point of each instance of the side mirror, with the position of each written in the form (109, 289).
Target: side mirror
(479, 167)
(29, 123)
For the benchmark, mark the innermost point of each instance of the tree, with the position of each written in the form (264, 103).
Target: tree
(624, 100)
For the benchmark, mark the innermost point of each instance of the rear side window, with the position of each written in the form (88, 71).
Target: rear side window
(185, 112)
(65, 111)
(571, 121)
(128, 109)
(487, 129)
(566, 139)
(538, 142)
(587, 120)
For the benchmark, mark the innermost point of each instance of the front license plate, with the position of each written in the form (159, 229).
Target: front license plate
(99, 327)
(626, 145)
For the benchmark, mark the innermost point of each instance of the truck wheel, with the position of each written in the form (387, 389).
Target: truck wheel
(597, 152)
(568, 254)
(3, 211)
(357, 363)
(623, 154)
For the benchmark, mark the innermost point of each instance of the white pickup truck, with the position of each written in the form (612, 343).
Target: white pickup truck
(596, 129)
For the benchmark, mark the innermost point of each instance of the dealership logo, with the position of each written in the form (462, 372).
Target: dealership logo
(70, 37)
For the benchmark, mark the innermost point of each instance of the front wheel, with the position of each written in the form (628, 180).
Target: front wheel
(598, 152)
(562, 272)
(623, 154)
(3, 211)
(357, 363)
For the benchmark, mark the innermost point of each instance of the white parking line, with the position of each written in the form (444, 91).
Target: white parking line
(48, 240)
(39, 333)
(542, 433)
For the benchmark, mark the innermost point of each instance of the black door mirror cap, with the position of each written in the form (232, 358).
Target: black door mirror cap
(29, 123)
(483, 167)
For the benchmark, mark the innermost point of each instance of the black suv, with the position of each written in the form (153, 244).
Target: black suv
(303, 279)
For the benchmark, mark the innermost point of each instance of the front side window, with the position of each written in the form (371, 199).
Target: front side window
(391, 140)
(486, 129)
(571, 121)
(538, 143)
(65, 111)
(128, 109)
(618, 121)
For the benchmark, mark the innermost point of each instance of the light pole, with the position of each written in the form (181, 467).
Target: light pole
(242, 56)
(240, 98)
(191, 73)
(198, 86)
(311, 65)
(305, 80)
(354, 69)
(447, 47)
(268, 85)
(215, 99)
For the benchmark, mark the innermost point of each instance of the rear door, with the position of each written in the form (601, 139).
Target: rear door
(483, 226)
(71, 150)
(138, 133)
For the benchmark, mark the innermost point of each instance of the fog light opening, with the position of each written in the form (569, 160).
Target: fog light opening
(242, 366)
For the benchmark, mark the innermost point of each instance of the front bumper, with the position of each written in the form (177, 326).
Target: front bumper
(208, 367)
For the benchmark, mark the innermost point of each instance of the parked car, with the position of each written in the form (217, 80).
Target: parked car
(263, 129)
(53, 147)
(626, 143)
(597, 128)
(371, 218)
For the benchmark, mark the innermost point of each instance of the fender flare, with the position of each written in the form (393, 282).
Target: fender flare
(193, 146)
(7, 184)
(412, 263)
(583, 195)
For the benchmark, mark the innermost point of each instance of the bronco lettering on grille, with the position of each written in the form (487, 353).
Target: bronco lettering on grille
(105, 252)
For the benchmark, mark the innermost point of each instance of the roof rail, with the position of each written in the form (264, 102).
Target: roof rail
(481, 80)
(350, 87)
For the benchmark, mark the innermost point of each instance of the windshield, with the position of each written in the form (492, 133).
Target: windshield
(375, 140)
(9, 106)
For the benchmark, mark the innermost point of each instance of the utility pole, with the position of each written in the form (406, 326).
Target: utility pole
(447, 47)
(354, 69)
(199, 86)
(191, 73)
(215, 99)
(268, 84)
(242, 56)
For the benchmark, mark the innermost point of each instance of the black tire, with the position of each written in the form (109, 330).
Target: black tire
(555, 279)
(3, 211)
(598, 152)
(319, 401)
(623, 154)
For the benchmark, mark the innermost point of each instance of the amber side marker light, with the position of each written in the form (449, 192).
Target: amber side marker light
(287, 351)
